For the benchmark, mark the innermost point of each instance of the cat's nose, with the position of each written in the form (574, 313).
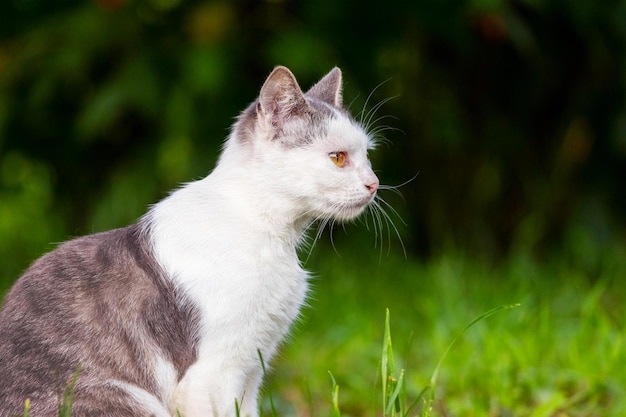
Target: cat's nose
(372, 187)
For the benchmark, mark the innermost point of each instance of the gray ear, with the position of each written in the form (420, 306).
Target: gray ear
(328, 89)
(281, 97)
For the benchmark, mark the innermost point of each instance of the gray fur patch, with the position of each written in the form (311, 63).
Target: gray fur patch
(298, 130)
(99, 302)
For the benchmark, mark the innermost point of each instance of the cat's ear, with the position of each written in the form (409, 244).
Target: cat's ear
(328, 89)
(281, 97)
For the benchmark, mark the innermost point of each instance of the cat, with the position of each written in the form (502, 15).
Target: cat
(172, 315)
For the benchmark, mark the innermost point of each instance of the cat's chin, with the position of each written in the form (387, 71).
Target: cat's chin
(351, 211)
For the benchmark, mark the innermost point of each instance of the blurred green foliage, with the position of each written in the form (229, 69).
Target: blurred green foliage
(512, 113)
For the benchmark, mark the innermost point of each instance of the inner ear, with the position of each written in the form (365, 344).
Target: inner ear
(328, 89)
(281, 97)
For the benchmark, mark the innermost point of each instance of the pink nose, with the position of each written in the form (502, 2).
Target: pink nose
(372, 187)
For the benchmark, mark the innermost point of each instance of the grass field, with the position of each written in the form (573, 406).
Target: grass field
(562, 352)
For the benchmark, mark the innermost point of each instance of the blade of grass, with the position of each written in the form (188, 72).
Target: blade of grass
(394, 403)
(269, 394)
(394, 394)
(385, 357)
(433, 379)
(391, 385)
(27, 408)
(335, 397)
(65, 406)
(237, 408)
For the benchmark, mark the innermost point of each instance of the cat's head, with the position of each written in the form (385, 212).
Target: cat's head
(305, 148)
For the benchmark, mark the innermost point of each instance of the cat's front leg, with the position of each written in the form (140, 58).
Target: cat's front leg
(208, 392)
(250, 401)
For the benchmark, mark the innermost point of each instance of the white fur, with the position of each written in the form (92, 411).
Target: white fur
(146, 402)
(229, 243)
(165, 375)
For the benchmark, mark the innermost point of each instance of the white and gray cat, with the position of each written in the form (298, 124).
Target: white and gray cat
(171, 314)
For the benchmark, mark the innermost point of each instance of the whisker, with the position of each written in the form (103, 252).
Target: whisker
(376, 131)
(361, 114)
(372, 112)
(378, 235)
(389, 220)
(349, 106)
(394, 188)
(393, 210)
(377, 135)
(320, 222)
(383, 128)
(332, 240)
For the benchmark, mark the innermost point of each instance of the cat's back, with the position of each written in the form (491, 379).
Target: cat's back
(73, 275)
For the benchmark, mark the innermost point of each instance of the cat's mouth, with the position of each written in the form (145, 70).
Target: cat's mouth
(350, 210)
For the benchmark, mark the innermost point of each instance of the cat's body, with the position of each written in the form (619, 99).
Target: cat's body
(105, 307)
(172, 314)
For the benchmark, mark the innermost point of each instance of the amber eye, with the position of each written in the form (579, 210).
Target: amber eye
(338, 158)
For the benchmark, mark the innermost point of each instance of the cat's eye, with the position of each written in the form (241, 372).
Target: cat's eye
(338, 158)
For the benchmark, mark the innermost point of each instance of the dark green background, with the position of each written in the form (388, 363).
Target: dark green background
(511, 113)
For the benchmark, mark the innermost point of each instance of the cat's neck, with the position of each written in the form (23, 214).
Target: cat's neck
(214, 223)
(245, 187)
(231, 206)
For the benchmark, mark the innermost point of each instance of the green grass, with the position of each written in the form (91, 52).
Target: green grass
(561, 353)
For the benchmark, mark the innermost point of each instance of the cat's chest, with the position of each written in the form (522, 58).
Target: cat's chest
(246, 292)
(241, 274)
